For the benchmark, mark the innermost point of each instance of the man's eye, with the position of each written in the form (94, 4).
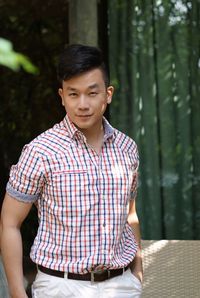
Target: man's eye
(72, 94)
(93, 93)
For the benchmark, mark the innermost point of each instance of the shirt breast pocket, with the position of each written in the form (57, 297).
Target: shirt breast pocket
(71, 193)
(70, 182)
(67, 195)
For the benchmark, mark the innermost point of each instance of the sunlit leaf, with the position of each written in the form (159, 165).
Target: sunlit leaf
(14, 60)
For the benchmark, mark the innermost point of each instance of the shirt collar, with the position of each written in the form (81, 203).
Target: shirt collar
(73, 130)
(108, 129)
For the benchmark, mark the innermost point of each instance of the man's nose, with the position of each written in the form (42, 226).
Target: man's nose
(83, 102)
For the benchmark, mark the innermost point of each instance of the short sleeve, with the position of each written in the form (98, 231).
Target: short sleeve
(26, 177)
(135, 167)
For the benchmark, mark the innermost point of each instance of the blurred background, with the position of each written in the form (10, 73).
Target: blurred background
(152, 48)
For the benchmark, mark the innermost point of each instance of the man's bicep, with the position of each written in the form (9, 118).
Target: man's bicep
(13, 211)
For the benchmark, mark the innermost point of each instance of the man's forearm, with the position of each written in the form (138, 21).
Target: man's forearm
(136, 265)
(11, 249)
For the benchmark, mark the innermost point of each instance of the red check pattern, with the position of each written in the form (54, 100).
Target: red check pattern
(82, 197)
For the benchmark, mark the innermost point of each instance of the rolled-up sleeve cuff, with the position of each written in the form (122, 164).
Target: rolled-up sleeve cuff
(27, 198)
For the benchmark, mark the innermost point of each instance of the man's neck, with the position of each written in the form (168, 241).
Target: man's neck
(95, 138)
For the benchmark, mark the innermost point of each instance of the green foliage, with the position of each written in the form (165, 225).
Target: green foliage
(29, 103)
(14, 60)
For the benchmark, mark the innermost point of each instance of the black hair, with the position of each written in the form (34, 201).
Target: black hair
(77, 59)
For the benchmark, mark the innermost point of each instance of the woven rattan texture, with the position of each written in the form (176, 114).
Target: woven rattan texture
(171, 269)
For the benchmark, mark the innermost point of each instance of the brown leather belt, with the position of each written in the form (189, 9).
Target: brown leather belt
(98, 275)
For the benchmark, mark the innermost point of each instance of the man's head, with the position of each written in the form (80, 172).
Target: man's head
(77, 59)
(84, 90)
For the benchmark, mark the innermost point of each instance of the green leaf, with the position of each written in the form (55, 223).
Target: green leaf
(26, 64)
(14, 60)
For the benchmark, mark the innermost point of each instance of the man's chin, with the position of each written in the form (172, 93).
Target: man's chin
(82, 126)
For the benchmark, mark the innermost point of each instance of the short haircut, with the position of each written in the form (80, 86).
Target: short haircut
(77, 59)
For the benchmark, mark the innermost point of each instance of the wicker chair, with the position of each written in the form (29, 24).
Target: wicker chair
(171, 269)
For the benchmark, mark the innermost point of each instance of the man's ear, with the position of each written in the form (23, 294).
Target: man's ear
(60, 92)
(110, 91)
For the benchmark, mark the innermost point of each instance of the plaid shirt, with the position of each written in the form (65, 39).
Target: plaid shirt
(82, 197)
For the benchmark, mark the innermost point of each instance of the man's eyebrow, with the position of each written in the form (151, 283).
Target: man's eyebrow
(71, 89)
(93, 86)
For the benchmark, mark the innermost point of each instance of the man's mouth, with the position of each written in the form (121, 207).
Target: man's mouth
(84, 116)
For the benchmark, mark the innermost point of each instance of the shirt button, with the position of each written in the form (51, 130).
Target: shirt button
(104, 224)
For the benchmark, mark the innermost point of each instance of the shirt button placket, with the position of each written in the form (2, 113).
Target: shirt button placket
(103, 212)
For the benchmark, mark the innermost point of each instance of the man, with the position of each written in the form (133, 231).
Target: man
(82, 174)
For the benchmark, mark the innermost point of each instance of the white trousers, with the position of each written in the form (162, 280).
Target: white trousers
(122, 286)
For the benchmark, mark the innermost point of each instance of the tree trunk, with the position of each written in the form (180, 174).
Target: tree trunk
(83, 22)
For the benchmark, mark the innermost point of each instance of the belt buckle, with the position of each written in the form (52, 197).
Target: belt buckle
(97, 272)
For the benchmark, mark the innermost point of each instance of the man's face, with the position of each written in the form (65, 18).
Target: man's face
(85, 98)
